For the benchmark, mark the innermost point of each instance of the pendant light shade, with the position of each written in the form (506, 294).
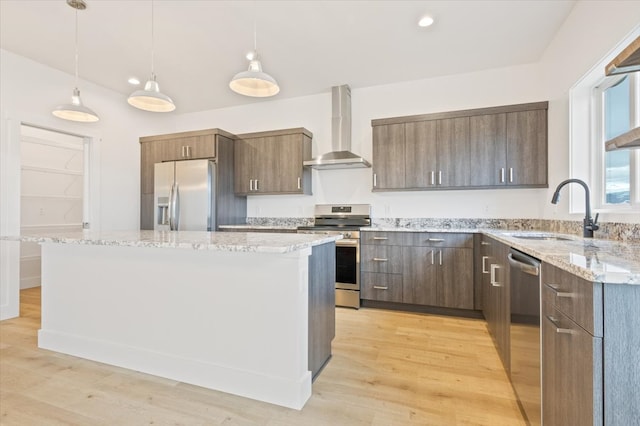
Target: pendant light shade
(76, 111)
(150, 98)
(254, 82)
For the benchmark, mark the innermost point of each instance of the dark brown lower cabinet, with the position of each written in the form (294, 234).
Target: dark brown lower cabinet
(495, 293)
(590, 351)
(571, 372)
(418, 268)
(381, 286)
(322, 302)
(420, 276)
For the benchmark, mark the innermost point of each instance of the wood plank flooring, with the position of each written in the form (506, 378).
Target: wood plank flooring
(388, 368)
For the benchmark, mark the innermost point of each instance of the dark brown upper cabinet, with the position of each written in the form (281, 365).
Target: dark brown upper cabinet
(482, 148)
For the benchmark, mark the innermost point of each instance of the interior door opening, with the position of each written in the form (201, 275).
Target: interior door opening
(53, 190)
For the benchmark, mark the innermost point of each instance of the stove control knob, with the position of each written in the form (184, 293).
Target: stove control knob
(346, 235)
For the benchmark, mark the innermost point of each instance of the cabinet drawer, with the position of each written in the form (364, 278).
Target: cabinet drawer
(577, 298)
(382, 238)
(381, 259)
(572, 377)
(438, 239)
(384, 287)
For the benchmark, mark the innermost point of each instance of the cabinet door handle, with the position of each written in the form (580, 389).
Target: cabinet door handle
(439, 177)
(433, 177)
(493, 275)
(375, 180)
(435, 240)
(380, 287)
(299, 183)
(440, 257)
(182, 151)
(510, 174)
(380, 238)
(484, 264)
(502, 175)
(559, 293)
(380, 259)
(256, 185)
(432, 258)
(250, 184)
(484, 243)
(559, 329)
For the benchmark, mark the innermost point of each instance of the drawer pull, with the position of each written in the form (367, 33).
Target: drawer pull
(559, 293)
(380, 238)
(559, 330)
(484, 243)
(380, 259)
(381, 287)
(435, 240)
(494, 283)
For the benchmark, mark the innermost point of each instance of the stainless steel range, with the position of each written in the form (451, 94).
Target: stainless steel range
(344, 219)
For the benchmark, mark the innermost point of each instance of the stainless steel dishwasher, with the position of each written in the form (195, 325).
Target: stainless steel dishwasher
(525, 332)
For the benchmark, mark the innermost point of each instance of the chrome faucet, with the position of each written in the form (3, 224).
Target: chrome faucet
(588, 224)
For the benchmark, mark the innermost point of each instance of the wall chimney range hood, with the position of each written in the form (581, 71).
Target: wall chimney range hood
(341, 156)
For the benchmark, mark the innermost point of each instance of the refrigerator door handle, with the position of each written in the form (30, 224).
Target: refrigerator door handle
(170, 209)
(175, 207)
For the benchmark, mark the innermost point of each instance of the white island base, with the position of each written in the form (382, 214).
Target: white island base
(226, 320)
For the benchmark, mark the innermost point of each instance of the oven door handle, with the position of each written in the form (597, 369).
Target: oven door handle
(347, 243)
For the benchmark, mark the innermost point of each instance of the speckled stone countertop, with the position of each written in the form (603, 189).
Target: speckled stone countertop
(194, 240)
(249, 228)
(607, 261)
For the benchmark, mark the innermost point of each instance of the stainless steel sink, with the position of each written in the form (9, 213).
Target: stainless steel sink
(542, 237)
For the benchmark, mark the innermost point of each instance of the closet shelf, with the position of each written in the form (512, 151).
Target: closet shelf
(50, 170)
(54, 225)
(55, 197)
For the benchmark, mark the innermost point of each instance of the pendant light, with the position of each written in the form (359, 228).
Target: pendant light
(254, 82)
(76, 111)
(150, 98)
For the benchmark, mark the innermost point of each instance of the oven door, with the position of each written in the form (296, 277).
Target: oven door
(348, 264)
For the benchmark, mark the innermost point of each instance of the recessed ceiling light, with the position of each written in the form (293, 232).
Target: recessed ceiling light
(134, 81)
(425, 21)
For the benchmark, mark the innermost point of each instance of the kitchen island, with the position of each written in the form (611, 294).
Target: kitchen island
(245, 313)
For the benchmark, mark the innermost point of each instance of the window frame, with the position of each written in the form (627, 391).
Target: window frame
(585, 117)
(598, 144)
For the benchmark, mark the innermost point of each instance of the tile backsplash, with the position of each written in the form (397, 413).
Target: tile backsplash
(627, 232)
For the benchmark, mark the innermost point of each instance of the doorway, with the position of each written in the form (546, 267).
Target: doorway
(53, 190)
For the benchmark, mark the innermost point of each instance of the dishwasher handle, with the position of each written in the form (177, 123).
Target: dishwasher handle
(525, 264)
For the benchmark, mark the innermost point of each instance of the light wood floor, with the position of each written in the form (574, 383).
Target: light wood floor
(388, 368)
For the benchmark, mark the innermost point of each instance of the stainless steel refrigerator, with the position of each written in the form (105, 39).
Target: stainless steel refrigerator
(185, 196)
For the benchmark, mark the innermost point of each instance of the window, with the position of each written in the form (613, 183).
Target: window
(615, 176)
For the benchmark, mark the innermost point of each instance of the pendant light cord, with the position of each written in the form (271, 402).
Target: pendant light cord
(153, 74)
(76, 70)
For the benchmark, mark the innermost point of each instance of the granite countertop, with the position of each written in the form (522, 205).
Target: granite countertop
(248, 228)
(420, 229)
(607, 261)
(194, 240)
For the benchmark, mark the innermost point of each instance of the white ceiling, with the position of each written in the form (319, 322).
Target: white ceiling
(308, 46)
